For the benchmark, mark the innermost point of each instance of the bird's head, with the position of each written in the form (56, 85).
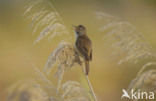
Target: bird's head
(80, 30)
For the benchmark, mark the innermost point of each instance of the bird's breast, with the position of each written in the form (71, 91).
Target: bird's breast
(76, 35)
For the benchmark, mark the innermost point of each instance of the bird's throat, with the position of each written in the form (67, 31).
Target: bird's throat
(76, 35)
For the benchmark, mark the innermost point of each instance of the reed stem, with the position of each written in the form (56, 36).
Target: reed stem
(89, 84)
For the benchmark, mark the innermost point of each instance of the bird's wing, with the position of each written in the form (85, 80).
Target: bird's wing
(83, 44)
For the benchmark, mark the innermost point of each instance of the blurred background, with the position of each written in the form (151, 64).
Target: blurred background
(18, 53)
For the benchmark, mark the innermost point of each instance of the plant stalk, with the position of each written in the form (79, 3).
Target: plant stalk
(89, 84)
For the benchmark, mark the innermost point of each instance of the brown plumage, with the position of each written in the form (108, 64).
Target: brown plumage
(83, 45)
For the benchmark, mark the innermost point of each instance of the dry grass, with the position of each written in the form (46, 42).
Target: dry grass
(65, 56)
(120, 36)
(32, 90)
(44, 19)
(27, 90)
(124, 39)
(145, 81)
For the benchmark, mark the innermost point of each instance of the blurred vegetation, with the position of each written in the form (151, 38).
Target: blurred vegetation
(17, 52)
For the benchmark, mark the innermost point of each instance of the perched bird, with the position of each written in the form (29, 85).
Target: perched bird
(83, 45)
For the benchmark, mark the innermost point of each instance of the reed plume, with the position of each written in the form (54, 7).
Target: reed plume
(124, 39)
(44, 19)
(65, 55)
(36, 89)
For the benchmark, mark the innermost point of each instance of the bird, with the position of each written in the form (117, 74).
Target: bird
(84, 45)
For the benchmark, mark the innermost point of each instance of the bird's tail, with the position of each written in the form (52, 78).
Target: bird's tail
(87, 67)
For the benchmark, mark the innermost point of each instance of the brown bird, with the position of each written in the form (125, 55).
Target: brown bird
(83, 45)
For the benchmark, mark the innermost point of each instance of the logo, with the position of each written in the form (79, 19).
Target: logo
(137, 95)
